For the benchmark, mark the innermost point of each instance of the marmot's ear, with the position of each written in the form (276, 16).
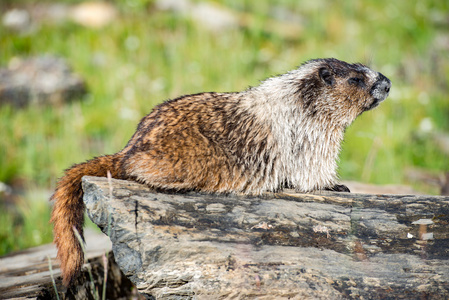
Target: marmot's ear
(326, 76)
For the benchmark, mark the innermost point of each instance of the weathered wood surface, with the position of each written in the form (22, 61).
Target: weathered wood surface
(26, 274)
(277, 246)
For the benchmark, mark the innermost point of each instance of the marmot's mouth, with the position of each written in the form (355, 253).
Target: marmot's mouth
(374, 104)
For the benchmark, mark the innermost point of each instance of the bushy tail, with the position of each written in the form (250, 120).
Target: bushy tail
(68, 212)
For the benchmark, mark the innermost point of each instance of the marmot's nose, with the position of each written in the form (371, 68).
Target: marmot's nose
(381, 87)
(387, 87)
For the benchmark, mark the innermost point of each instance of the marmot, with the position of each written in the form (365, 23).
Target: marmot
(285, 132)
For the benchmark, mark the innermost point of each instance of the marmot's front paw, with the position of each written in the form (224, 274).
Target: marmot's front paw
(338, 188)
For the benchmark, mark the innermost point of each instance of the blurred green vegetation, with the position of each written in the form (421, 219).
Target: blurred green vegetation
(146, 56)
(26, 225)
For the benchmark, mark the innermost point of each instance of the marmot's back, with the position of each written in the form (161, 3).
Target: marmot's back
(287, 130)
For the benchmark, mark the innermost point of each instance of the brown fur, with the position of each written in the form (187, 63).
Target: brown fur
(285, 132)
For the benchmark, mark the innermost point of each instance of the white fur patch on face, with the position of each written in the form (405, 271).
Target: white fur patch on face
(377, 94)
(372, 75)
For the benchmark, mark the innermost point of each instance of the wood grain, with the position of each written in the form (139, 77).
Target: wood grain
(274, 246)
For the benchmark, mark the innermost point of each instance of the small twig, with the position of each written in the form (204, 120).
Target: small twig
(263, 225)
(105, 265)
(105, 260)
(80, 239)
(110, 199)
(52, 277)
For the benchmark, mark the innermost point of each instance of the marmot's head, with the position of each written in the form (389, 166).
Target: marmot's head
(336, 90)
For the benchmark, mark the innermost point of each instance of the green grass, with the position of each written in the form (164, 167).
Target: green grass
(26, 224)
(145, 57)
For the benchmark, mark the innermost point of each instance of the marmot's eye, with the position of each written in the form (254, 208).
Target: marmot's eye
(357, 81)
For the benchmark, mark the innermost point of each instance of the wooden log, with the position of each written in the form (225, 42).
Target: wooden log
(274, 246)
(26, 274)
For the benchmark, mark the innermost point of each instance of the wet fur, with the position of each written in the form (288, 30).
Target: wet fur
(285, 132)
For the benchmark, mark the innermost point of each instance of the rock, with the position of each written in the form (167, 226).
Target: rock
(211, 16)
(275, 246)
(39, 80)
(94, 14)
(218, 18)
(16, 19)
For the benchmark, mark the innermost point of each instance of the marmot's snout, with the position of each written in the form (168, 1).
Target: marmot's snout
(380, 90)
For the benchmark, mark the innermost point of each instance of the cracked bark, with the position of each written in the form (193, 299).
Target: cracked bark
(287, 245)
(136, 225)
